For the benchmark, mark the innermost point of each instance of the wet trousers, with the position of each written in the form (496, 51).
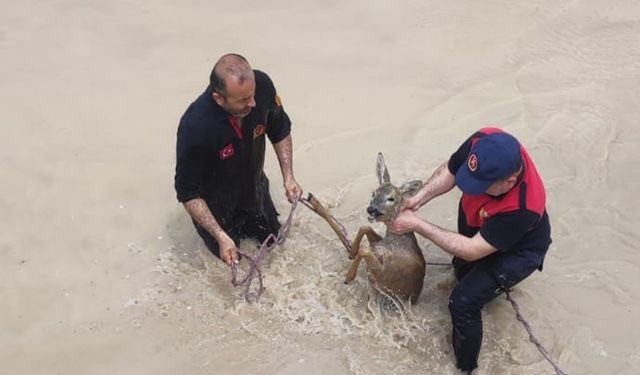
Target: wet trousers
(478, 283)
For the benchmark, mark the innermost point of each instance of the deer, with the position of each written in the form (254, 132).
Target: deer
(395, 263)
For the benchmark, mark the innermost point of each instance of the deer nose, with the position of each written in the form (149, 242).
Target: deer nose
(371, 210)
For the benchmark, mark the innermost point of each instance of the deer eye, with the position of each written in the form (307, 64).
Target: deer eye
(391, 199)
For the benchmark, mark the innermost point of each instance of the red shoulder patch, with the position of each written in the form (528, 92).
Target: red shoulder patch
(258, 131)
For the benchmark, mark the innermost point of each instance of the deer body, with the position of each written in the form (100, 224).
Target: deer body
(401, 266)
(395, 264)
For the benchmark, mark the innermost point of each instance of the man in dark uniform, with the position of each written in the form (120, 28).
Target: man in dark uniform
(503, 228)
(220, 157)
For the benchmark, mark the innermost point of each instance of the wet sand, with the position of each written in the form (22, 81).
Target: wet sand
(101, 271)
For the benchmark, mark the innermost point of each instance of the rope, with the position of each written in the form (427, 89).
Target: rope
(254, 262)
(532, 337)
(437, 264)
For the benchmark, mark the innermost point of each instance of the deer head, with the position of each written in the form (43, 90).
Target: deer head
(386, 199)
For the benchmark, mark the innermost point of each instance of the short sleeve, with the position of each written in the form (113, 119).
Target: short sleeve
(190, 165)
(278, 122)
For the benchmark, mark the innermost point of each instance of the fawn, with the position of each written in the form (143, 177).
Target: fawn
(395, 263)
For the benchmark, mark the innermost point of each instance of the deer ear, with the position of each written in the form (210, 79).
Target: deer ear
(410, 188)
(381, 170)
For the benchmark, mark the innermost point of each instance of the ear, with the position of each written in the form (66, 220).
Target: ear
(512, 181)
(410, 188)
(381, 170)
(218, 98)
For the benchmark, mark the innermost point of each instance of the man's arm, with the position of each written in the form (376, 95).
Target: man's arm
(440, 182)
(279, 133)
(469, 249)
(466, 248)
(284, 151)
(199, 211)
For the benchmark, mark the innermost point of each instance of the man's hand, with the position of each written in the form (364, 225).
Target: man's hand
(411, 203)
(228, 251)
(292, 189)
(406, 222)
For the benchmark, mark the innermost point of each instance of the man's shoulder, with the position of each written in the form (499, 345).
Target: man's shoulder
(264, 84)
(198, 113)
(262, 77)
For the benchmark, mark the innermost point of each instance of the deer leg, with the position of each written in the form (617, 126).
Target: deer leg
(357, 254)
(324, 213)
(374, 266)
(372, 237)
(353, 269)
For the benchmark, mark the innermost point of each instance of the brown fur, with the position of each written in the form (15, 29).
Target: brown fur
(395, 263)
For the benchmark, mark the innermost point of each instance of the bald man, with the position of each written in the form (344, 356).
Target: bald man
(220, 157)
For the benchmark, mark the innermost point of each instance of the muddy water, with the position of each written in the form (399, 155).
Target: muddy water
(101, 271)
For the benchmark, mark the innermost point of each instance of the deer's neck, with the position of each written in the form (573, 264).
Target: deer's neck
(400, 242)
(391, 235)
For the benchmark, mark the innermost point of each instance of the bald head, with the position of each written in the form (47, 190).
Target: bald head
(230, 67)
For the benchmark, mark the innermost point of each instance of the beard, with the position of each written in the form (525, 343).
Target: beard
(240, 114)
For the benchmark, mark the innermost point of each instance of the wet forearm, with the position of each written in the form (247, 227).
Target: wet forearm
(199, 211)
(451, 242)
(284, 151)
(440, 182)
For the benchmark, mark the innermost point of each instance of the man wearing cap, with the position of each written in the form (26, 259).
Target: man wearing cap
(220, 157)
(503, 228)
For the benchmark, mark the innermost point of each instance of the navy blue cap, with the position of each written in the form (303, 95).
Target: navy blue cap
(494, 157)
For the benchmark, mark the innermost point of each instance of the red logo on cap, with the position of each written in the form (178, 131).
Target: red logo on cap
(227, 152)
(472, 163)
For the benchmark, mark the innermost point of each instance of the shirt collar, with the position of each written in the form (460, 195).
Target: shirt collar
(219, 113)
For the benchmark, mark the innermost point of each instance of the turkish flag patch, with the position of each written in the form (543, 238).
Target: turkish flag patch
(227, 152)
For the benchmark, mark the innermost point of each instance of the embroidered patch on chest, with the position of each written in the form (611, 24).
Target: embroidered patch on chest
(258, 131)
(227, 152)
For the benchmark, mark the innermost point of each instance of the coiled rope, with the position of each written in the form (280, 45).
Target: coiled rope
(254, 262)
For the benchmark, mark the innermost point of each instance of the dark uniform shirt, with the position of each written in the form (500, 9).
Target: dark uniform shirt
(523, 231)
(222, 163)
